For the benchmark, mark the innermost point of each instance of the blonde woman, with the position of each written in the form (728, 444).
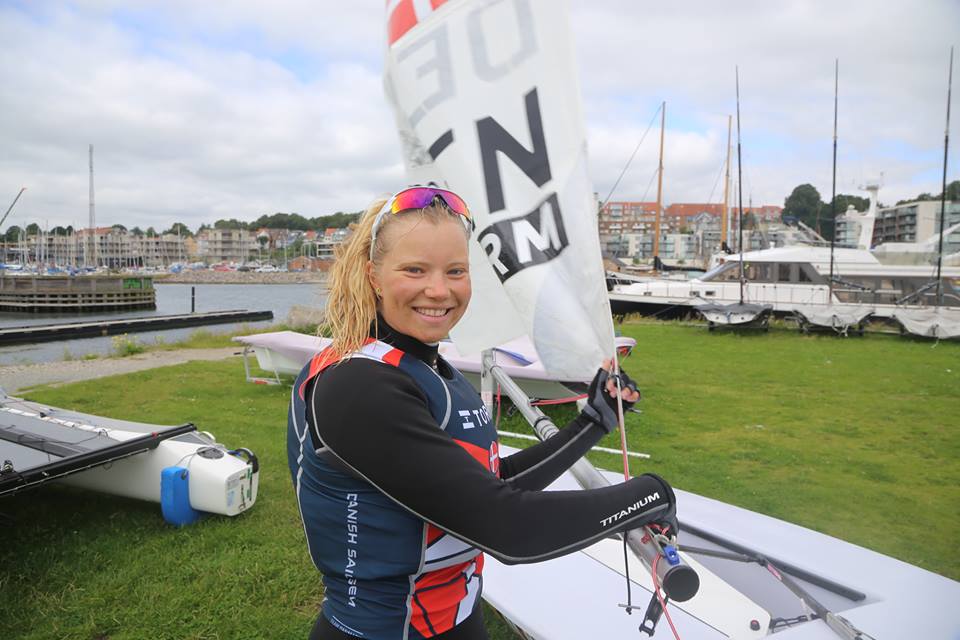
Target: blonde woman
(395, 460)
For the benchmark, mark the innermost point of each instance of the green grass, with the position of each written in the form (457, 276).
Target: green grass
(857, 438)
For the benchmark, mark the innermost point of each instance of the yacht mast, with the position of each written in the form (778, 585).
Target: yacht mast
(93, 218)
(656, 223)
(739, 187)
(833, 189)
(943, 193)
(725, 213)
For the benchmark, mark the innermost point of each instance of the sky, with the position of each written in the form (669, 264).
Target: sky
(235, 109)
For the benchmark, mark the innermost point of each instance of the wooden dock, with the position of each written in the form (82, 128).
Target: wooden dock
(38, 294)
(96, 328)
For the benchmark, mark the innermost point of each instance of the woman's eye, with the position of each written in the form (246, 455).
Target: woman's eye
(414, 270)
(458, 272)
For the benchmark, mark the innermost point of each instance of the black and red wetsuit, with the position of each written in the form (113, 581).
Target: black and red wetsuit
(401, 489)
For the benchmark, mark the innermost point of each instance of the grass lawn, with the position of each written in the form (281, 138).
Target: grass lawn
(857, 438)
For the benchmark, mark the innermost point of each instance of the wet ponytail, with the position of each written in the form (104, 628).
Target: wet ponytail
(352, 302)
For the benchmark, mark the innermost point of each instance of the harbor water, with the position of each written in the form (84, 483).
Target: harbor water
(171, 299)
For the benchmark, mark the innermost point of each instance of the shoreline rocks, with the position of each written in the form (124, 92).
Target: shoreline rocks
(241, 277)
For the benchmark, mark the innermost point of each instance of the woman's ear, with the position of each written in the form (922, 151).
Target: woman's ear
(372, 276)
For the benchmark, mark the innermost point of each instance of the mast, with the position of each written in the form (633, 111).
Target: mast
(943, 193)
(739, 187)
(833, 189)
(725, 213)
(93, 217)
(656, 223)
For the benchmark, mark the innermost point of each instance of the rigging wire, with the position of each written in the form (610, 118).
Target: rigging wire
(632, 155)
(717, 181)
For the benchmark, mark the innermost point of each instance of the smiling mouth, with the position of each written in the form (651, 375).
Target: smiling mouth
(432, 313)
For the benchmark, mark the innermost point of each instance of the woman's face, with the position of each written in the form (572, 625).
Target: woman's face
(424, 277)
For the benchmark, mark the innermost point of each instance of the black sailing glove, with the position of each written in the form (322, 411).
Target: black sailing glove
(665, 522)
(601, 408)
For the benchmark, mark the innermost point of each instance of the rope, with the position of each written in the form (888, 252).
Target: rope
(632, 155)
(663, 603)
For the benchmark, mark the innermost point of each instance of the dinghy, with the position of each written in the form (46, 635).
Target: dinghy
(183, 469)
(840, 319)
(940, 323)
(882, 597)
(286, 353)
(735, 315)
(486, 103)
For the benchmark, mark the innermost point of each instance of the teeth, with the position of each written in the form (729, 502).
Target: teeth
(436, 313)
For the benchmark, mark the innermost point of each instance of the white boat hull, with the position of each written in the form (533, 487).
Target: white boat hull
(218, 482)
(577, 596)
(286, 353)
(226, 485)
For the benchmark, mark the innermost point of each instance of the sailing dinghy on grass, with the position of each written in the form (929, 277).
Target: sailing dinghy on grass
(287, 352)
(486, 103)
(183, 469)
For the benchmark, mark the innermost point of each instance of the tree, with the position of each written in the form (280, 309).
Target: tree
(13, 233)
(137, 231)
(33, 229)
(232, 223)
(840, 204)
(803, 204)
(151, 232)
(953, 194)
(179, 228)
(118, 227)
(843, 202)
(953, 191)
(59, 231)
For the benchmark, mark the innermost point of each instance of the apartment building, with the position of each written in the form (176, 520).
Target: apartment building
(917, 222)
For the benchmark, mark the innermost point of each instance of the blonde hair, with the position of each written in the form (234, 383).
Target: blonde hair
(351, 301)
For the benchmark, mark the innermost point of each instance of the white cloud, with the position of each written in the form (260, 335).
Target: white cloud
(207, 110)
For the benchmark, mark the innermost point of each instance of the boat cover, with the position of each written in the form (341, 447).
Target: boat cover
(831, 316)
(736, 313)
(942, 323)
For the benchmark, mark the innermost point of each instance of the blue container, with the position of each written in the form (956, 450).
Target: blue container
(175, 497)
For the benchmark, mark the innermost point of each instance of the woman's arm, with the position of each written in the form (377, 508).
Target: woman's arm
(537, 466)
(374, 419)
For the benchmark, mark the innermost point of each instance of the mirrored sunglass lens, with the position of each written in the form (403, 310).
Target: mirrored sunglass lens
(412, 199)
(455, 203)
(419, 198)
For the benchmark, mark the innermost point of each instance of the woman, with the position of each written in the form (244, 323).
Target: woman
(394, 458)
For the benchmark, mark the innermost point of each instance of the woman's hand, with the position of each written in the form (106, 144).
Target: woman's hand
(601, 405)
(628, 388)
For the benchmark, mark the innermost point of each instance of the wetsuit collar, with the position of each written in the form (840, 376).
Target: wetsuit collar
(407, 344)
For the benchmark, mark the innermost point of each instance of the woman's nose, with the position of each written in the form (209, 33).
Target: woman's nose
(437, 286)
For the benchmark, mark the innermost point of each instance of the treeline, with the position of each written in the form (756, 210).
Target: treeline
(805, 204)
(292, 221)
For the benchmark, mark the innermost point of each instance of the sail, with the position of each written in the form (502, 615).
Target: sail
(487, 104)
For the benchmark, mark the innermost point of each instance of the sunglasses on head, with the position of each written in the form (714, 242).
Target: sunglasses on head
(419, 198)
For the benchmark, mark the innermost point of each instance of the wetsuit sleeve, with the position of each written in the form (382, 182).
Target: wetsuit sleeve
(537, 466)
(374, 419)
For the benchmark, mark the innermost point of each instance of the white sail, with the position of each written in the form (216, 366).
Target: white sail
(487, 104)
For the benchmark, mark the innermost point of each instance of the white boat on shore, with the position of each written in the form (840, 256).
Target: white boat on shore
(884, 598)
(186, 471)
(286, 353)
